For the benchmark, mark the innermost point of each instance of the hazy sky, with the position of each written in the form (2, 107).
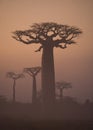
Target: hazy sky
(73, 64)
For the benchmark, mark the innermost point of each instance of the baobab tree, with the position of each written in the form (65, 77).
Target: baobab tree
(61, 86)
(33, 73)
(15, 77)
(48, 35)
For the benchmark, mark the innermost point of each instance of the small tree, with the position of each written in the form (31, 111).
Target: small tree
(61, 86)
(15, 77)
(33, 73)
(49, 35)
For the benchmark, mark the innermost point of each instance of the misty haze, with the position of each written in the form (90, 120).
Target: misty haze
(46, 65)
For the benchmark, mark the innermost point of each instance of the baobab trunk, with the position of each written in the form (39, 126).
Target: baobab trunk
(14, 90)
(34, 91)
(48, 74)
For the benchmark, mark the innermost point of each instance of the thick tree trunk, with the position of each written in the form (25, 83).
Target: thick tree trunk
(34, 91)
(48, 75)
(14, 91)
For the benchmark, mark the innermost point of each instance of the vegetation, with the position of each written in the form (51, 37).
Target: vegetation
(15, 77)
(48, 35)
(33, 71)
(61, 86)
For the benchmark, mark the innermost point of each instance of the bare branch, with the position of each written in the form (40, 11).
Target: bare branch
(68, 33)
(48, 32)
(19, 35)
(26, 70)
(39, 49)
(70, 42)
(16, 38)
(32, 71)
(62, 47)
(14, 75)
(63, 85)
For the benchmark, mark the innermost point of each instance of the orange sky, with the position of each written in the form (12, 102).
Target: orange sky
(73, 64)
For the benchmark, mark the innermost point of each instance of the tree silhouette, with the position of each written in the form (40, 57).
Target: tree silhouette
(61, 86)
(15, 77)
(33, 72)
(49, 35)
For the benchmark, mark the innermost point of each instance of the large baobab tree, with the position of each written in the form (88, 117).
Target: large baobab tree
(33, 71)
(48, 35)
(61, 86)
(15, 77)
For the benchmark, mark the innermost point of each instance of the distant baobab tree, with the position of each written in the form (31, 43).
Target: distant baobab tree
(61, 86)
(33, 73)
(15, 77)
(49, 35)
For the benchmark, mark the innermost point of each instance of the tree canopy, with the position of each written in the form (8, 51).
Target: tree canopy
(48, 35)
(14, 75)
(33, 71)
(63, 85)
(49, 32)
